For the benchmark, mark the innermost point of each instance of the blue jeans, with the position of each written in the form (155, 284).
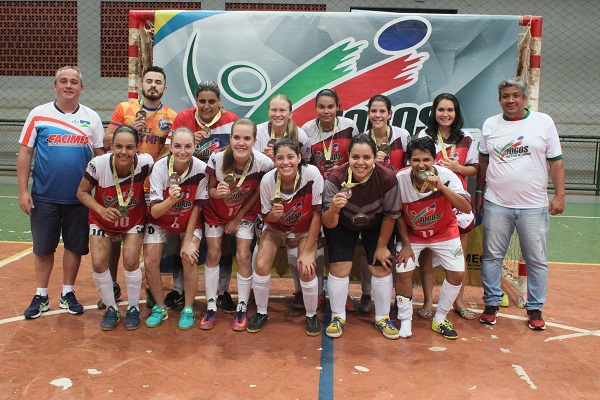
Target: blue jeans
(532, 226)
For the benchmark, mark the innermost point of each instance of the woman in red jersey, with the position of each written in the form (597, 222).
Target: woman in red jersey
(178, 187)
(291, 206)
(234, 179)
(117, 209)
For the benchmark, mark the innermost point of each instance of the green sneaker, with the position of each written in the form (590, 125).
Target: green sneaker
(387, 327)
(445, 328)
(157, 316)
(186, 320)
(335, 327)
(504, 302)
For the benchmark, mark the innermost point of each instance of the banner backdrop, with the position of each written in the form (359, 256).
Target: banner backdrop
(410, 58)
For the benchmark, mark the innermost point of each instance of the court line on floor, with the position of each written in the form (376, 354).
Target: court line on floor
(16, 257)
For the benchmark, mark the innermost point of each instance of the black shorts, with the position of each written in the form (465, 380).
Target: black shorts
(341, 242)
(48, 220)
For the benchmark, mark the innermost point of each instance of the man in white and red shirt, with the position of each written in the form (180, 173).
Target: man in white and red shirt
(514, 153)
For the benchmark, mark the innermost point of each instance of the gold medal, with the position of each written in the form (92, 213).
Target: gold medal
(122, 210)
(229, 179)
(174, 179)
(346, 191)
(327, 164)
(385, 147)
(206, 132)
(271, 143)
(277, 200)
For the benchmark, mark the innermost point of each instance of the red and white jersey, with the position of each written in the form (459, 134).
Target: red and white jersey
(398, 140)
(220, 132)
(346, 128)
(99, 173)
(221, 211)
(193, 187)
(429, 216)
(466, 152)
(263, 136)
(300, 204)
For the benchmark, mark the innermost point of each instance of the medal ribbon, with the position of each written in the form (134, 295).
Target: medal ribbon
(327, 151)
(273, 132)
(123, 203)
(443, 147)
(211, 123)
(148, 111)
(245, 172)
(278, 187)
(171, 163)
(387, 136)
(348, 184)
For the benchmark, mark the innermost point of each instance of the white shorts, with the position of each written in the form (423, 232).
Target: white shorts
(289, 240)
(157, 234)
(95, 230)
(463, 220)
(448, 254)
(245, 231)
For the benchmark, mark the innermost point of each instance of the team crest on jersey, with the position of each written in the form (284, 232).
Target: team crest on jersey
(425, 218)
(181, 205)
(457, 253)
(110, 201)
(512, 150)
(164, 125)
(208, 148)
(238, 195)
(293, 215)
(68, 140)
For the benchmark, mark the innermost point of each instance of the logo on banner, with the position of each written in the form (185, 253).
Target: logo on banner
(336, 67)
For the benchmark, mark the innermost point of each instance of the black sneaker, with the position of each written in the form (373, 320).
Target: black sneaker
(535, 320)
(70, 303)
(313, 326)
(149, 299)
(38, 305)
(116, 291)
(226, 303)
(489, 315)
(174, 299)
(132, 319)
(110, 319)
(257, 323)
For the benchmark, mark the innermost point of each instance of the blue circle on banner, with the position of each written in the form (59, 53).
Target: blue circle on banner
(403, 35)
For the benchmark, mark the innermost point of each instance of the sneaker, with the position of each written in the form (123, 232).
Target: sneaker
(335, 327)
(489, 315)
(174, 299)
(298, 300)
(535, 320)
(365, 303)
(69, 302)
(504, 302)
(445, 328)
(116, 291)
(132, 319)
(257, 323)
(225, 302)
(387, 327)
(186, 320)
(157, 316)
(110, 319)
(240, 321)
(208, 320)
(350, 304)
(149, 299)
(38, 305)
(313, 326)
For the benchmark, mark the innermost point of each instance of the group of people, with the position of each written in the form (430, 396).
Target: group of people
(206, 174)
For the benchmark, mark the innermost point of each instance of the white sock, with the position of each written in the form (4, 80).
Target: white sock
(133, 280)
(67, 289)
(405, 313)
(244, 286)
(178, 279)
(42, 291)
(338, 291)
(211, 285)
(261, 286)
(448, 294)
(382, 293)
(104, 284)
(310, 294)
